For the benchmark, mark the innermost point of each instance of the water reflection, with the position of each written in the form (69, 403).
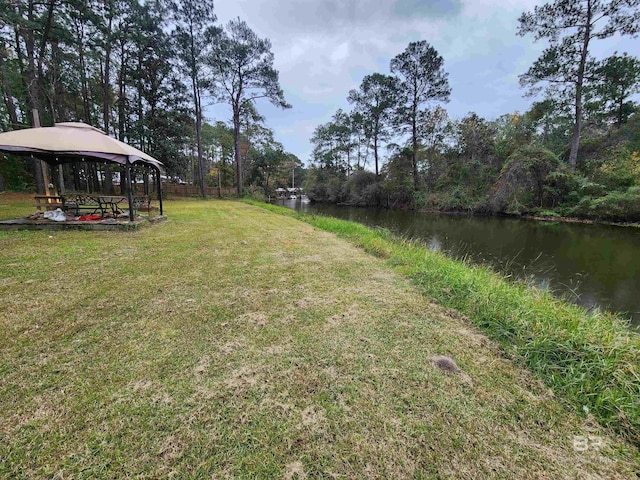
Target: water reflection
(594, 265)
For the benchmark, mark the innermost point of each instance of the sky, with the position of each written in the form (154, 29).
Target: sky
(324, 48)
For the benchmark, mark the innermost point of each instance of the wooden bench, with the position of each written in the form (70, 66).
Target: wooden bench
(49, 202)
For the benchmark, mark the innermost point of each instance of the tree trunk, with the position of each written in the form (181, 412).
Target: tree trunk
(60, 175)
(41, 55)
(106, 84)
(139, 104)
(122, 103)
(94, 177)
(30, 83)
(575, 140)
(56, 100)
(197, 105)
(236, 141)
(21, 64)
(193, 60)
(77, 182)
(375, 153)
(414, 144)
(620, 110)
(106, 104)
(6, 88)
(124, 186)
(86, 111)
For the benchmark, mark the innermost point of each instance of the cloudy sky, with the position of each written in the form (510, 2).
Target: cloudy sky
(323, 48)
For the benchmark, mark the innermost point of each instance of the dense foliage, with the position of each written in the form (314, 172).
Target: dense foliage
(139, 71)
(575, 152)
(516, 164)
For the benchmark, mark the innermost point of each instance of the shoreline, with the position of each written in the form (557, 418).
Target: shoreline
(470, 213)
(534, 218)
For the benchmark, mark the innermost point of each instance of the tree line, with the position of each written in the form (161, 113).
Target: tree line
(576, 151)
(142, 72)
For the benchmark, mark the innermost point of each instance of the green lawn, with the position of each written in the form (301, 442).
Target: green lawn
(233, 342)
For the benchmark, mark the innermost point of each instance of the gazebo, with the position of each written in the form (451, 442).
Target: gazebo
(74, 141)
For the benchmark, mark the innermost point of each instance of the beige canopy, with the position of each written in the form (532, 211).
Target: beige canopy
(74, 141)
(70, 142)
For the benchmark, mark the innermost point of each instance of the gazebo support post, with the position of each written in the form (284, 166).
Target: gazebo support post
(159, 182)
(129, 190)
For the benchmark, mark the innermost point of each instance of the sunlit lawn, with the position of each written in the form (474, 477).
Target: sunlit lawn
(233, 342)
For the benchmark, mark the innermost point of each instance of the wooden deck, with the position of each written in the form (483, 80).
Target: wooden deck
(106, 224)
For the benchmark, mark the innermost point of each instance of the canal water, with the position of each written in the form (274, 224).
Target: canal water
(596, 266)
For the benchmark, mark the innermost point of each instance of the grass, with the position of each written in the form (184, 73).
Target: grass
(15, 205)
(589, 359)
(232, 342)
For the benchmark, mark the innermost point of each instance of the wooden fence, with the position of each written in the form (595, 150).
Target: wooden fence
(194, 190)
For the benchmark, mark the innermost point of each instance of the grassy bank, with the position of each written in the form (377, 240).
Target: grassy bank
(230, 342)
(590, 359)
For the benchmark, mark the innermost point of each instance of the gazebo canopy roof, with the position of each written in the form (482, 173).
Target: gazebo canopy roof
(70, 142)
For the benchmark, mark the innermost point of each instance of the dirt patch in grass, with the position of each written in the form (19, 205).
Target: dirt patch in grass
(231, 342)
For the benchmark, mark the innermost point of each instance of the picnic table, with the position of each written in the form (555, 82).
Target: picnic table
(90, 204)
(110, 203)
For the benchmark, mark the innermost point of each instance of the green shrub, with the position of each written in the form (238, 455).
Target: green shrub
(560, 183)
(335, 190)
(256, 193)
(521, 185)
(419, 199)
(621, 170)
(362, 188)
(458, 199)
(548, 213)
(616, 206)
(399, 192)
(14, 172)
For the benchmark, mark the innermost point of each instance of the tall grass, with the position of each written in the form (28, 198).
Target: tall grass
(589, 359)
